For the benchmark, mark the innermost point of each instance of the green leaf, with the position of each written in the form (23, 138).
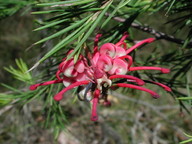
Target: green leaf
(20, 73)
(187, 135)
(49, 97)
(95, 18)
(11, 88)
(186, 141)
(6, 98)
(170, 7)
(46, 12)
(74, 25)
(65, 41)
(50, 25)
(121, 4)
(67, 3)
(34, 96)
(184, 98)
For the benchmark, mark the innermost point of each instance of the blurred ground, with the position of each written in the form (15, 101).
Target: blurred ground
(133, 119)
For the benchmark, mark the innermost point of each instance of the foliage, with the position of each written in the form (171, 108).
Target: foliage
(187, 141)
(21, 73)
(23, 96)
(10, 7)
(183, 19)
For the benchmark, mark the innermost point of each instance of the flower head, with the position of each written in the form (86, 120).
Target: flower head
(94, 77)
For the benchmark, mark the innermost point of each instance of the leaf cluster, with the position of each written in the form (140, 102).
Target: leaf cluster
(10, 7)
(181, 10)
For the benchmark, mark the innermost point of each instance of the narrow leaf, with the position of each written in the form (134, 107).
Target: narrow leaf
(46, 12)
(65, 41)
(63, 31)
(184, 98)
(50, 25)
(66, 3)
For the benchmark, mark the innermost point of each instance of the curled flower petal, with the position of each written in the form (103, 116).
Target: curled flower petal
(79, 66)
(122, 43)
(103, 80)
(119, 67)
(81, 77)
(67, 81)
(104, 63)
(119, 51)
(70, 72)
(66, 64)
(129, 58)
(98, 73)
(95, 59)
(108, 49)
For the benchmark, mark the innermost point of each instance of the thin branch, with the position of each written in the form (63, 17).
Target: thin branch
(157, 34)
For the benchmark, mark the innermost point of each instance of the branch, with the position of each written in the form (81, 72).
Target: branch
(158, 35)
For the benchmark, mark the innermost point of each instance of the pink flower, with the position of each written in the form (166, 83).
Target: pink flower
(95, 78)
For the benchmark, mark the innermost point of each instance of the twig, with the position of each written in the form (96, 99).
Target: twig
(157, 34)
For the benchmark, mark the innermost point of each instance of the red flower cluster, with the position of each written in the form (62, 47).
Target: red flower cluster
(93, 75)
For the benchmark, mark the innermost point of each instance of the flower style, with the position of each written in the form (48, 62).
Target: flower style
(94, 77)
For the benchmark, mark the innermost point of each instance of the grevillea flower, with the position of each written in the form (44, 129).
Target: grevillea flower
(95, 75)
